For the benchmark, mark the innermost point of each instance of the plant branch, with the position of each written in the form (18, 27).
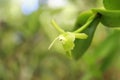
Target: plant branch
(87, 23)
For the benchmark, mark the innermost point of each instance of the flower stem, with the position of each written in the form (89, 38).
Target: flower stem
(90, 19)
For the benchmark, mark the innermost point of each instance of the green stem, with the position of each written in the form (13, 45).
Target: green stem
(57, 27)
(89, 21)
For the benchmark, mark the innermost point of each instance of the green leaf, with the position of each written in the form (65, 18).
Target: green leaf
(109, 18)
(108, 50)
(112, 4)
(82, 45)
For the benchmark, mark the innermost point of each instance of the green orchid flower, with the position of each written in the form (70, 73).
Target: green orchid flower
(67, 38)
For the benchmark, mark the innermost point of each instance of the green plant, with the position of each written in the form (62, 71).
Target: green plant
(24, 40)
(86, 24)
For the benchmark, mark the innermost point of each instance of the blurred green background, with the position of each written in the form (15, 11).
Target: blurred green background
(26, 33)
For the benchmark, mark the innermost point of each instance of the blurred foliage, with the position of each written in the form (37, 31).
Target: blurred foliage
(24, 41)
